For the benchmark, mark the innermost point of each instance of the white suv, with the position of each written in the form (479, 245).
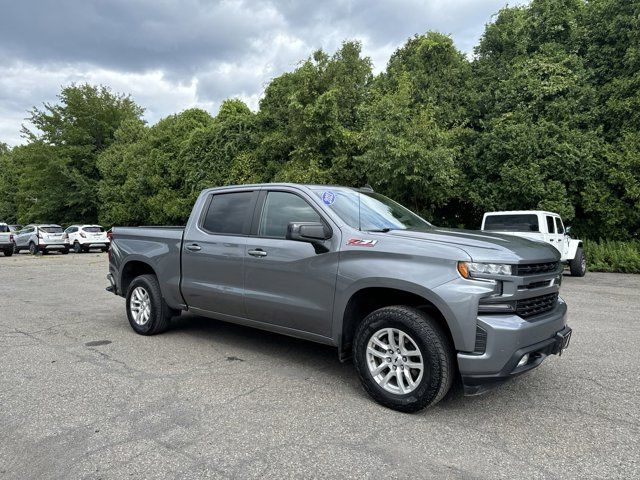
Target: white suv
(543, 226)
(84, 237)
(41, 238)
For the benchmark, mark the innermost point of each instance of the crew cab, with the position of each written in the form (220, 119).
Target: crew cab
(83, 238)
(412, 304)
(546, 227)
(41, 238)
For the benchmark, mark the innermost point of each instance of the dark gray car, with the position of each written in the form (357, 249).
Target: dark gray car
(414, 305)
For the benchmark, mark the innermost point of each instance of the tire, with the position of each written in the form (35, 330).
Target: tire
(578, 266)
(8, 252)
(437, 355)
(64, 251)
(33, 249)
(77, 248)
(159, 313)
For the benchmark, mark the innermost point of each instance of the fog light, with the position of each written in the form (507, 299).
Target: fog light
(523, 360)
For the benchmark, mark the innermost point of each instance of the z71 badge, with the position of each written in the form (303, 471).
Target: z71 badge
(361, 242)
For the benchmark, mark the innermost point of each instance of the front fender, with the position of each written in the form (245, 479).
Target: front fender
(344, 293)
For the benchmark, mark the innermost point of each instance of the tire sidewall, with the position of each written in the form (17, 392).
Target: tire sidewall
(430, 382)
(77, 248)
(155, 305)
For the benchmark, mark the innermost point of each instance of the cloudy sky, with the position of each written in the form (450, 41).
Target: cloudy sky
(171, 55)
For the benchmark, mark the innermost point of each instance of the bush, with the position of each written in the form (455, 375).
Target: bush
(613, 256)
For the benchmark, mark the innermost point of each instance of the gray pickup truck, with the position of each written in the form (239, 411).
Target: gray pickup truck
(414, 305)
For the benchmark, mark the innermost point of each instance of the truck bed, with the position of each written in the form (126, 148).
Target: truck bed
(158, 246)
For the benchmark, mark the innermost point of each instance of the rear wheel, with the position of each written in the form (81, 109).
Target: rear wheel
(147, 311)
(8, 252)
(65, 251)
(404, 358)
(578, 266)
(33, 249)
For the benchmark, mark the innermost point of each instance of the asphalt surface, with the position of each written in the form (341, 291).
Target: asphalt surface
(83, 396)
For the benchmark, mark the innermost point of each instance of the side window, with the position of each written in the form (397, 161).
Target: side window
(559, 226)
(550, 227)
(282, 208)
(229, 213)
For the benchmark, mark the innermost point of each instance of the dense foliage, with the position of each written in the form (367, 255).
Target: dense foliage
(546, 115)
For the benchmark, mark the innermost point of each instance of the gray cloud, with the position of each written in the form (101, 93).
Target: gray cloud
(174, 54)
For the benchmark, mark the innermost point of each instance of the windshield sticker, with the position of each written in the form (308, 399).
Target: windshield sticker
(361, 242)
(328, 197)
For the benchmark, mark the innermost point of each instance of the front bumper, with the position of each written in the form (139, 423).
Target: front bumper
(509, 338)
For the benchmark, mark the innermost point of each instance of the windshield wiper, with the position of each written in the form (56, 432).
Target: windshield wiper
(381, 230)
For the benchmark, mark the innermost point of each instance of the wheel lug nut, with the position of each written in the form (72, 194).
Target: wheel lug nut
(388, 359)
(401, 367)
(394, 367)
(390, 351)
(404, 359)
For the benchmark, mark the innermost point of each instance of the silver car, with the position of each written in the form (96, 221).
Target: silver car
(42, 239)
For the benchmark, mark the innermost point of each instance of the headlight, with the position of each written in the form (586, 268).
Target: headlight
(472, 269)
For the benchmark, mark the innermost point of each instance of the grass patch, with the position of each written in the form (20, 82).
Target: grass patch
(613, 256)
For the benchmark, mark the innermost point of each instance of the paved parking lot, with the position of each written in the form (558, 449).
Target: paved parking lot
(82, 396)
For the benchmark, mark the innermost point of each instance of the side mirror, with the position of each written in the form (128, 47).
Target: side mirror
(311, 232)
(567, 230)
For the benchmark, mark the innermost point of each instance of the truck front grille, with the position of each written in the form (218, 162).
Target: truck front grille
(535, 268)
(536, 305)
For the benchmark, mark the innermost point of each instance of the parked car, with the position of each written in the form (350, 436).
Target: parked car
(414, 305)
(82, 238)
(546, 227)
(6, 239)
(15, 228)
(42, 238)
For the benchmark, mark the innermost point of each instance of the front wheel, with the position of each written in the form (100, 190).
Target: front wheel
(147, 311)
(33, 249)
(77, 248)
(578, 266)
(65, 251)
(404, 358)
(8, 252)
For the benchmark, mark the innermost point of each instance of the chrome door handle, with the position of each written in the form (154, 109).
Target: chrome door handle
(257, 253)
(194, 247)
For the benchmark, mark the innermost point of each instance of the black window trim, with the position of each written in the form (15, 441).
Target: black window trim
(257, 215)
(247, 223)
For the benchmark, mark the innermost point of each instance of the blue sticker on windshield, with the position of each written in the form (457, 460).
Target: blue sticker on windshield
(328, 198)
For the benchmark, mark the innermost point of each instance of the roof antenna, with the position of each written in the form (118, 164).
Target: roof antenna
(367, 188)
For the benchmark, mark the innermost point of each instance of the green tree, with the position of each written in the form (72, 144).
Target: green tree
(69, 136)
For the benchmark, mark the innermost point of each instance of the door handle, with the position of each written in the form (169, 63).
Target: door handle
(258, 252)
(194, 247)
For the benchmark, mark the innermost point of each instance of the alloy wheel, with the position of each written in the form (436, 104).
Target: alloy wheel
(395, 361)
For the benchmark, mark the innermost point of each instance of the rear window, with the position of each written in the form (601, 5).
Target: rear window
(229, 213)
(4, 228)
(512, 223)
(51, 229)
(93, 229)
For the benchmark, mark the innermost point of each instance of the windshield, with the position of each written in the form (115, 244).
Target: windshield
(370, 211)
(93, 229)
(51, 229)
(4, 228)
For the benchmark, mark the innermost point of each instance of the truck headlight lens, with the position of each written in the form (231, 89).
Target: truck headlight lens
(472, 269)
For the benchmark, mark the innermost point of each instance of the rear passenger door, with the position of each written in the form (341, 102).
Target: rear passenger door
(213, 254)
(289, 283)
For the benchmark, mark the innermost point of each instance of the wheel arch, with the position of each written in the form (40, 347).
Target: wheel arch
(132, 269)
(366, 299)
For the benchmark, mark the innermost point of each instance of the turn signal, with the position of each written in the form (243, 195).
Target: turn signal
(463, 269)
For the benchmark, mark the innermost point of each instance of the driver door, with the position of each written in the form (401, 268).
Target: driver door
(288, 283)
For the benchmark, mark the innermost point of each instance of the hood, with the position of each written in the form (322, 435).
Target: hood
(484, 246)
